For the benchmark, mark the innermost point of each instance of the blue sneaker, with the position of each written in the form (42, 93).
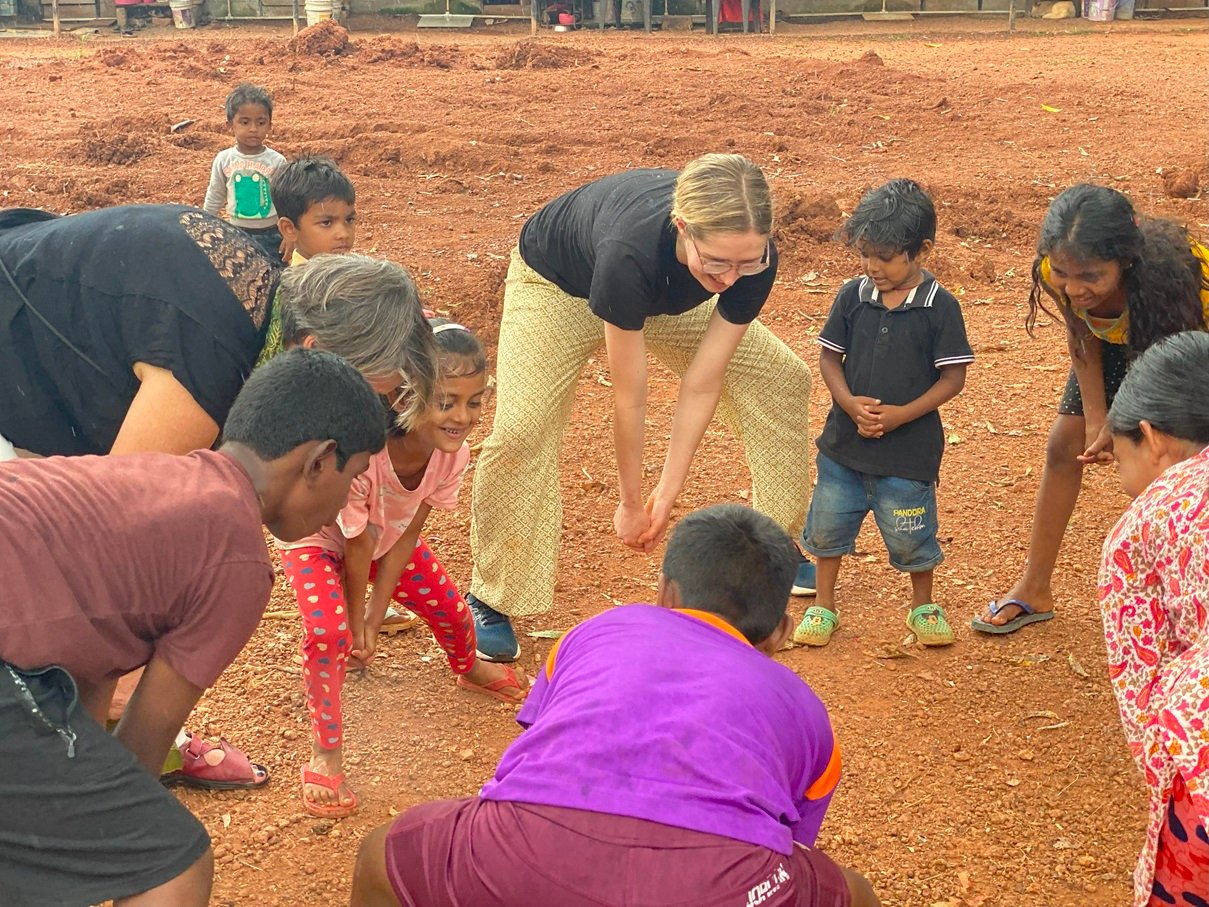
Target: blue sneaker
(496, 641)
(804, 582)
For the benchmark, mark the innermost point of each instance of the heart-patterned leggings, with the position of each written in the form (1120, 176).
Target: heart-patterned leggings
(424, 587)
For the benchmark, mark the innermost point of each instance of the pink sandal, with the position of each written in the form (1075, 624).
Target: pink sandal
(235, 771)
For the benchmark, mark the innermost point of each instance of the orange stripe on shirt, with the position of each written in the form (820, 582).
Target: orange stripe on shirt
(826, 782)
(550, 658)
(714, 621)
(704, 616)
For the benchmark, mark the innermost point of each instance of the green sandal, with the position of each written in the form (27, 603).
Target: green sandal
(930, 626)
(816, 627)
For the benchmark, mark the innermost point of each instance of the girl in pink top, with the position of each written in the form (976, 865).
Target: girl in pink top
(377, 539)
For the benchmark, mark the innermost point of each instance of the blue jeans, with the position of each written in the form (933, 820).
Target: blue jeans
(905, 511)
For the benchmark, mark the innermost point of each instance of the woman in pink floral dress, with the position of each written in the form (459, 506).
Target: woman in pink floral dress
(1154, 594)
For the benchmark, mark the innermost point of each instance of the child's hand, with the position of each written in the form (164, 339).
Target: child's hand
(365, 652)
(1099, 446)
(889, 417)
(862, 411)
(358, 648)
(286, 249)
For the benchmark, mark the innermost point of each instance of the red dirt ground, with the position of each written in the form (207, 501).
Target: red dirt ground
(993, 772)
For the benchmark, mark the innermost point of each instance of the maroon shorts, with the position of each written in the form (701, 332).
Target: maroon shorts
(467, 853)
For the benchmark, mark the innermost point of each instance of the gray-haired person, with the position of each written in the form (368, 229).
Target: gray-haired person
(132, 329)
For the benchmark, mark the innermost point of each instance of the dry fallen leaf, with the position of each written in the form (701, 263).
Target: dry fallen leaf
(1043, 714)
(1074, 665)
(885, 650)
(1049, 109)
(1027, 661)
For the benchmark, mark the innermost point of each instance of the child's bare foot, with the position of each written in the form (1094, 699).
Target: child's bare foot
(507, 683)
(324, 790)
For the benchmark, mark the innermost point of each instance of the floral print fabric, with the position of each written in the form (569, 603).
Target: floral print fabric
(1154, 596)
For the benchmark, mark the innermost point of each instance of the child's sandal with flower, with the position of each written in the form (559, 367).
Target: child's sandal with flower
(930, 626)
(816, 627)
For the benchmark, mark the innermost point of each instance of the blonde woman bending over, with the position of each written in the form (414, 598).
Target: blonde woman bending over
(676, 263)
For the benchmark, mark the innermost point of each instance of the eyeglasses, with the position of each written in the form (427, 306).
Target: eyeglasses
(716, 266)
(398, 396)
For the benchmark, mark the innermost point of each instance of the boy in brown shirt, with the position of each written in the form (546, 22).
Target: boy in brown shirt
(114, 563)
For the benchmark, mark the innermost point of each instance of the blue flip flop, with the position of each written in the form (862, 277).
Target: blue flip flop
(1026, 616)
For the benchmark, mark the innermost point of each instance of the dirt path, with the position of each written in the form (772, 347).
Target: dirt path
(994, 772)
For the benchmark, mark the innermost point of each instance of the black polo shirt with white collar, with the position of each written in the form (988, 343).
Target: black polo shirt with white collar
(894, 355)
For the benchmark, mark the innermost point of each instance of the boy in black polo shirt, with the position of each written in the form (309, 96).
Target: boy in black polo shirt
(894, 350)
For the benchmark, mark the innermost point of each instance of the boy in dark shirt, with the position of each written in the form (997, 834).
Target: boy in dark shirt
(115, 563)
(894, 351)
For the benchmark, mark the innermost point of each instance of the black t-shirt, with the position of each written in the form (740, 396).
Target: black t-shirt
(894, 355)
(613, 243)
(162, 284)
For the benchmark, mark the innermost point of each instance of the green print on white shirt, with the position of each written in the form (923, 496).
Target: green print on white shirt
(252, 198)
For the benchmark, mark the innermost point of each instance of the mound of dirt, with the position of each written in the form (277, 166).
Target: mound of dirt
(386, 49)
(1180, 183)
(988, 220)
(111, 56)
(324, 39)
(173, 50)
(531, 54)
(870, 58)
(121, 140)
(815, 215)
(115, 148)
(196, 71)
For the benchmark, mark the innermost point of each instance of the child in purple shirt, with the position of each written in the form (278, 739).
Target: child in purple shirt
(642, 779)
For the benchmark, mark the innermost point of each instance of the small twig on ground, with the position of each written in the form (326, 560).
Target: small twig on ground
(285, 669)
(279, 615)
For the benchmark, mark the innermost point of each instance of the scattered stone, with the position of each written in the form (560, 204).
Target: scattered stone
(1179, 183)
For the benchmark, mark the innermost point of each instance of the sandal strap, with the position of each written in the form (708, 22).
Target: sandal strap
(821, 613)
(330, 782)
(931, 609)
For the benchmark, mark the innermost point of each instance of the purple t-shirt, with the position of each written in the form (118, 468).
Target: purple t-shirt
(672, 716)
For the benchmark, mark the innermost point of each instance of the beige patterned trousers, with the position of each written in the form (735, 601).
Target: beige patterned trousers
(546, 337)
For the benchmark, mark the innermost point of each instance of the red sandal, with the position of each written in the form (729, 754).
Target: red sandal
(328, 810)
(496, 689)
(235, 771)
